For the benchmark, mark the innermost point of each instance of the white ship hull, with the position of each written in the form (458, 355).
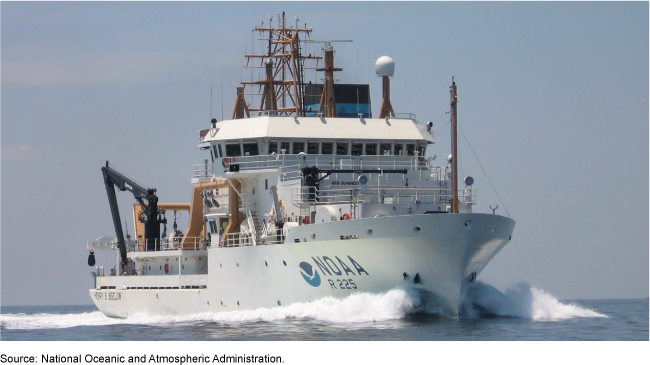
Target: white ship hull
(446, 252)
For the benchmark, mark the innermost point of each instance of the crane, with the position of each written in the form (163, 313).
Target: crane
(151, 215)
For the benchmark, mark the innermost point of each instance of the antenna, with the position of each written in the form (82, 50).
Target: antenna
(221, 70)
(211, 80)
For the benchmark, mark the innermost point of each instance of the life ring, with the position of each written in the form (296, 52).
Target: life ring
(346, 216)
(166, 268)
(305, 220)
(225, 162)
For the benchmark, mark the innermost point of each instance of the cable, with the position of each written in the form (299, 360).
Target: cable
(486, 175)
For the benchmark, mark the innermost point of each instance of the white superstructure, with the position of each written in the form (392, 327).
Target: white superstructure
(289, 207)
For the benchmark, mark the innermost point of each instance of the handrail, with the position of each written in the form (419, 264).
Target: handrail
(167, 244)
(388, 195)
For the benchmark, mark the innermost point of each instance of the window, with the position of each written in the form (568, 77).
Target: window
(233, 150)
(273, 147)
(213, 226)
(410, 149)
(386, 149)
(357, 148)
(422, 149)
(250, 149)
(266, 184)
(342, 148)
(399, 149)
(214, 148)
(312, 148)
(298, 147)
(327, 148)
(371, 149)
(285, 146)
(220, 153)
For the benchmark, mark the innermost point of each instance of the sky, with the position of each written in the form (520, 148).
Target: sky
(553, 98)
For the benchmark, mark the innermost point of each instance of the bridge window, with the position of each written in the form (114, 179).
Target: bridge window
(410, 149)
(285, 146)
(371, 149)
(298, 147)
(357, 148)
(250, 149)
(220, 152)
(233, 150)
(312, 148)
(342, 148)
(422, 149)
(386, 149)
(399, 149)
(327, 148)
(273, 147)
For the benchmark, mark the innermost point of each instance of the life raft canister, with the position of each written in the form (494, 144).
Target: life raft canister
(346, 216)
(166, 268)
(225, 162)
(305, 220)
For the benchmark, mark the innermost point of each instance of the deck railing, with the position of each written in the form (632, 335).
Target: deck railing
(289, 164)
(168, 244)
(384, 195)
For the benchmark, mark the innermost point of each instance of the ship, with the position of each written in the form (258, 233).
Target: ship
(304, 195)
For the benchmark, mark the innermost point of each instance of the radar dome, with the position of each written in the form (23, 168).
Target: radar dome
(385, 66)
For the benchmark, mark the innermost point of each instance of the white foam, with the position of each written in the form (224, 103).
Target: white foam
(356, 308)
(522, 301)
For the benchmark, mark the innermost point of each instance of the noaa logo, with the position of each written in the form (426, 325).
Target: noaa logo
(309, 274)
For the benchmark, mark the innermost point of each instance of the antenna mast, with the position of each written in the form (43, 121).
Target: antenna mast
(281, 88)
(454, 147)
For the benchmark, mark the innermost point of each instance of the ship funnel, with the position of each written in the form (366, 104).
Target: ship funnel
(385, 68)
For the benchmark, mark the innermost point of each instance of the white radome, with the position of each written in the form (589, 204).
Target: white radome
(385, 66)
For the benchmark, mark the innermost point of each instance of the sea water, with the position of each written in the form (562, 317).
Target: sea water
(406, 312)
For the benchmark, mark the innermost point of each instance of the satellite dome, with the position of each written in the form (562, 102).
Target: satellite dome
(385, 66)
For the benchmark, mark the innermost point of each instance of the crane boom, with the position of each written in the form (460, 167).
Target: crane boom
(152, 220)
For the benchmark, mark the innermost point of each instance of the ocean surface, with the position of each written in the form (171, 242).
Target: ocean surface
(403, 313)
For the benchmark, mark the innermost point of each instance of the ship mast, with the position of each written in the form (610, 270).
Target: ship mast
(281, 86)
(454, 147)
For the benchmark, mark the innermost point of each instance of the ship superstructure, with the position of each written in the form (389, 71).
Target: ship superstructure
(303, 196)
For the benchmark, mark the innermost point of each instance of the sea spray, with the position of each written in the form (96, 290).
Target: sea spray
(478, 300)
(356, 308)
(520, 301)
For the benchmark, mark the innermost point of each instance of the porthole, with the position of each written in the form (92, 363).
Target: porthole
(468, 223)
(418, 228)
(313, 236)
(238, 303)
(370, 230)
(284, 262)
(238, 264)
(220, 265)
(208, 303)
(266, 263)
(279, 303)
(222, 303)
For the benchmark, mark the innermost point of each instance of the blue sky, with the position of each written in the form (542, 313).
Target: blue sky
(553, 99)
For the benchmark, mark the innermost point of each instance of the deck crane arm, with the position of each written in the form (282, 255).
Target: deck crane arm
(152, 221)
